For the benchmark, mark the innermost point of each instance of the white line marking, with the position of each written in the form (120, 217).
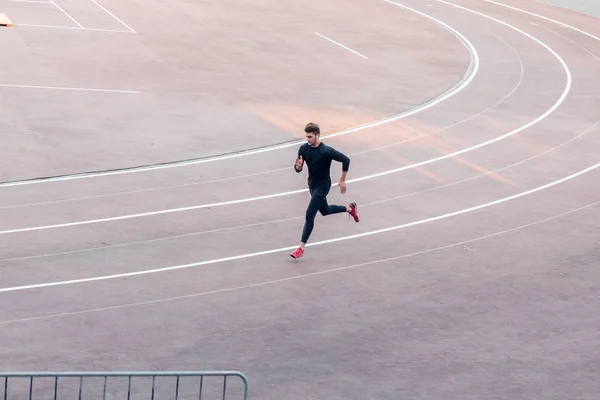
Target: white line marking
(473, 69)
(245, 200)
(576, 44)
(364, 234)
(341, 45)
(570, 177)
(66, 88)
(112, 15)
(589, 129)
(153, 189)
(392, 171)
(152, 213)
(75, 28)
(544, 18)
(517, 86)
(272, 251)
(67, 14)
(292, 278)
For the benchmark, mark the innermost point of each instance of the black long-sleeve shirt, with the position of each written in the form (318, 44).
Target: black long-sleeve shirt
(318, 159)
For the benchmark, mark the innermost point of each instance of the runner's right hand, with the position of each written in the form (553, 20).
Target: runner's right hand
(299, 163)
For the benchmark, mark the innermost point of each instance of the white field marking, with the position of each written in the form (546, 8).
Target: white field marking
(152, 213)
(66, 88)
(589, 129)
(288, 248)
(576, 44)
(586, 131)
(465, 81)
(293, 278)
(392, 171)
(67, 14)
(519, 83)
(277, 281)
(113, 15)
(75, 28)
(384, 230)
(264, 197)
(544, 18)
(341, 45)
(153, 189)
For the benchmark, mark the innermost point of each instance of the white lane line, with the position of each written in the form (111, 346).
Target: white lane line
(113, 15)
(341, 45)
(586, 131)
(74, 28)
(288, 248)
(67, 14)
(364, 234)
(417, 109)
(152, 213)
(67, 88)
(432, 189)
(526, 126)
(229, 178)
(517, 86)
(392, 171)
(257, 198)
(293, 278)
(459, 87)
(151, 189)
(544, 18)
(582, 47)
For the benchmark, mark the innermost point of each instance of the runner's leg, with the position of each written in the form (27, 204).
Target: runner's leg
(327, 209)
(316, 202)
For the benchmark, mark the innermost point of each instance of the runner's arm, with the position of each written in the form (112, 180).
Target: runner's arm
(341, 157)
(296, 163)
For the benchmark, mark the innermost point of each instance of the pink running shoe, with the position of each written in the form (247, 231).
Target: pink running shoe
(354, 212)
(298, 253)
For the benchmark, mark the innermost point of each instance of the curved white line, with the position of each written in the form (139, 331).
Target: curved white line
(545, 18)
(392, 171)
(473, 67)
(230, 178)
(292, 278)
(584, 132)
(334, 240)
(68, 88)
(364, 234)
(582, 47)
(520, 81)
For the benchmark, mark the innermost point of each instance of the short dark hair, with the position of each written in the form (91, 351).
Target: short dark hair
(311, 127)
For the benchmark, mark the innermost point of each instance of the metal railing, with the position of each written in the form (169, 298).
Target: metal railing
(123, 385)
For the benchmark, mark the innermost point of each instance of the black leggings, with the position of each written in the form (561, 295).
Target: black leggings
(318, 202)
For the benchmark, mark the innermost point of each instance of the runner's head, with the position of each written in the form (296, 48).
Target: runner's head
(313, 133)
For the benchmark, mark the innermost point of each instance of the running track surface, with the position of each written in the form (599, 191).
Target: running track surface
(486, 285)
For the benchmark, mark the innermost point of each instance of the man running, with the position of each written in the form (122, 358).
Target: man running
(318, 157)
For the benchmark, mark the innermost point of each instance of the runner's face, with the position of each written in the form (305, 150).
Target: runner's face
(311, 138)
